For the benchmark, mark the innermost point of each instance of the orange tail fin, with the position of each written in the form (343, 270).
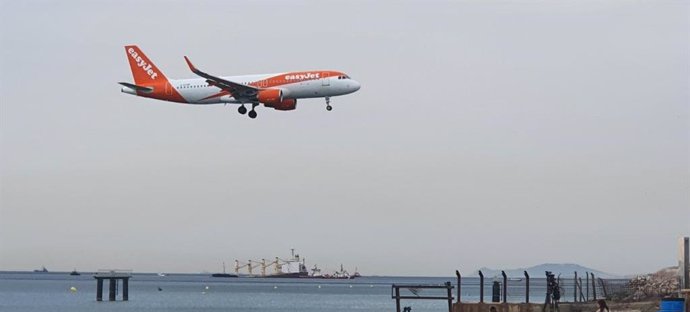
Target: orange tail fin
(144, 71)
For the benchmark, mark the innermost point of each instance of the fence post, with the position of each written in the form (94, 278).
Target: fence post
(603, 288)
(579, 285)
(526, 287)
(450, 296)
(594, 287)
(587, 285)
(481, 287)
(575, 288)
(505, 287)
(457, 273)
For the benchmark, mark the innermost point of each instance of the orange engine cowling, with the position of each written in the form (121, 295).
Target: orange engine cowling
(284, 105)
(274, 98)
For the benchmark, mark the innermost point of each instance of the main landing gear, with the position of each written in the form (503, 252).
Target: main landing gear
(328, 104)
(243, 110)
(252, 113)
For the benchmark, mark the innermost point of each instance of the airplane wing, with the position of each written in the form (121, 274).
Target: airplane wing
(237, 90)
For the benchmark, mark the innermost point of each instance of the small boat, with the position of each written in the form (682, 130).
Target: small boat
(342, 274)
(161, 274)
(223, 274)
(74, 273)
(42, 270)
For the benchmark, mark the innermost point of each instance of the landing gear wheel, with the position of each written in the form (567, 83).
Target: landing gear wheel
(242, 110)
(252, 114)
(328, 103)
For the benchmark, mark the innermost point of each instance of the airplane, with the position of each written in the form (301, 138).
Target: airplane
(279, 91)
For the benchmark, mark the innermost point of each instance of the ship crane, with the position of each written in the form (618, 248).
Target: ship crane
(275, 263)
(295, 266)
(315, 271)
(249, 265)
(252, 264)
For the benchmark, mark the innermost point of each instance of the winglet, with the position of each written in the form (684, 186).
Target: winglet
(189, 63)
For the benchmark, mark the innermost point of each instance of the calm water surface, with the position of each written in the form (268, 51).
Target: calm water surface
(28, 291)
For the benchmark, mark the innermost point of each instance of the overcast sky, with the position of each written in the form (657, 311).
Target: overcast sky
(486, 133)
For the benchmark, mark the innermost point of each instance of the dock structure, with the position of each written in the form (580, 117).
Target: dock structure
(113, 277)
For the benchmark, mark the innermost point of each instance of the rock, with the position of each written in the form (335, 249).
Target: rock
(655, 285)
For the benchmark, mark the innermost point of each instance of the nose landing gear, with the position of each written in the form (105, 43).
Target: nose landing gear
(328, 104)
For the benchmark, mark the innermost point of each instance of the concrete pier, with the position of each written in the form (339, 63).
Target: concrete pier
(113, 278)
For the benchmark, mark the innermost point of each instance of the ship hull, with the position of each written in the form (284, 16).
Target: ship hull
(288, 275)
(223, 275)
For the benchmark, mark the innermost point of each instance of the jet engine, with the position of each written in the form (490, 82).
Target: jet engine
(284, 105)
(270, 96)
(274, 98)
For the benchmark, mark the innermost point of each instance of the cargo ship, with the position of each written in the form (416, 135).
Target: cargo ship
(293, 267)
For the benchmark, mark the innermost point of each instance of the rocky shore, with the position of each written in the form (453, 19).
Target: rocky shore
(655, 285)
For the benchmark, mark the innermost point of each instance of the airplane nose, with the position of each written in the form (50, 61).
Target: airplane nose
(355, 85)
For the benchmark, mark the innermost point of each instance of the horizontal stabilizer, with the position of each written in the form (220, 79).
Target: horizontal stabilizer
(137, 88)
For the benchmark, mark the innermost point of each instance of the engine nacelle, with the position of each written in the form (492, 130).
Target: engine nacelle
(274, 98)
(284, 105)
(270, 96)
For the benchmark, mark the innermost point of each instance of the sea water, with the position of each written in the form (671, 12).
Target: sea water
(29, 291)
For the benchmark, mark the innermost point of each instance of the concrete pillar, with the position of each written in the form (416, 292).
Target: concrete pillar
(99, 289)
(125, 289)
(111, 293)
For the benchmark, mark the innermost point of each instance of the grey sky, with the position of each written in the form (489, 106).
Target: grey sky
(486, 133)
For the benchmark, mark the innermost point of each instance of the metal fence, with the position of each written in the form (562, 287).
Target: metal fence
(531, 289)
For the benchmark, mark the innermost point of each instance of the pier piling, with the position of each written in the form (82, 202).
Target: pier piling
(99, 289)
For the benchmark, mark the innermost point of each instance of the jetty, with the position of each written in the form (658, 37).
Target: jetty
(113, 277)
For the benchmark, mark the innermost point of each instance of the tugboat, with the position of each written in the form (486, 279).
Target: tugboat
(342, 274)
(223, 274)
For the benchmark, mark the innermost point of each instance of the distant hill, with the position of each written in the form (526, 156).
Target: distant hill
(538, 271)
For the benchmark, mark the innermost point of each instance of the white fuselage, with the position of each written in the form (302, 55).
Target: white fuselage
(198, 91)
